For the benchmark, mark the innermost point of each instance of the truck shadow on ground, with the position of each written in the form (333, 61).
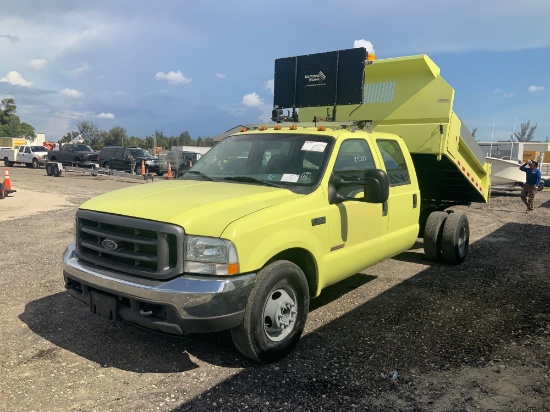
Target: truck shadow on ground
(443, 319)
(68, 324)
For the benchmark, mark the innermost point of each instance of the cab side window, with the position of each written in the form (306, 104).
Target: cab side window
(353, 159)
(354, 155)
(396, 166)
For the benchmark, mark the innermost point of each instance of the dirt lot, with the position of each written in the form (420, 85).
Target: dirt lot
(404, 335)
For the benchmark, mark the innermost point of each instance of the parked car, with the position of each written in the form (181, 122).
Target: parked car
(74, 154)
(128, 159)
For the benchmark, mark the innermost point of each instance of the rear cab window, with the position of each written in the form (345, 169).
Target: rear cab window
(394, 161)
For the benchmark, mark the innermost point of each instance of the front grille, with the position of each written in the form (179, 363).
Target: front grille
(132, 246)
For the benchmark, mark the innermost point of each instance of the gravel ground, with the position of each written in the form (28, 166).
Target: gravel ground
(405, 335)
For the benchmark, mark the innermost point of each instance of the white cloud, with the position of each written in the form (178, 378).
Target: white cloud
(220, 75)
(173, 77)
(72, 93)
(533, 88)
(364, 43)
(270, 85)
(75, 72)
(506, 94)
(106, 116)
(37, 64)
(16, 79)
(252, 100)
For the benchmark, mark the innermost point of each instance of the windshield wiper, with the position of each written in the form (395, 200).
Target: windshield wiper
(201, 174)
(248, 179)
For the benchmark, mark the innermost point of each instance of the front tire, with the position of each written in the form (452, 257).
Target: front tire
(35, 164)
(275, 314)
(455, 239)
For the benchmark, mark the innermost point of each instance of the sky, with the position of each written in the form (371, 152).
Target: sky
(204, 67)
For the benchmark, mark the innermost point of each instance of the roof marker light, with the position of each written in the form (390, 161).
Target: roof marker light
(243, 129)
(277, 127)
(321, 128)
(293, 127)
(262, 128)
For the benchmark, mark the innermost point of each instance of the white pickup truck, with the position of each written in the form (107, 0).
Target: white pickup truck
(30, 156)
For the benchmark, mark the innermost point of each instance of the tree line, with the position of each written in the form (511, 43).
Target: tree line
(11, 126)
(117, 136)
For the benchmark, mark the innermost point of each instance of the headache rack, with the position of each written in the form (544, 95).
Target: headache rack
(405, 96)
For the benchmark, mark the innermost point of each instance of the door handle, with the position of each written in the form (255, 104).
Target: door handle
(385, 208)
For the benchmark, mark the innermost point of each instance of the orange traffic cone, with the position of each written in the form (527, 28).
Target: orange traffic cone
(7, 182)
(169, 175)
(143, 167)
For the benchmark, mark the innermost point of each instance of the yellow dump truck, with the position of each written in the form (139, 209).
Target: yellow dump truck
(276, 212)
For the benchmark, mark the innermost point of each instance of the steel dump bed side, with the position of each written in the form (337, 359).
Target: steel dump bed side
(408, 97)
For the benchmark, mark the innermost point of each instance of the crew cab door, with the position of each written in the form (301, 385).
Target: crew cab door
(357, 230)
(404, 200)
(25, 154)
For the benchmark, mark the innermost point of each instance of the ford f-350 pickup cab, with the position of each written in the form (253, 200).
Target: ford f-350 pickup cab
(262, 222)
(268, 218)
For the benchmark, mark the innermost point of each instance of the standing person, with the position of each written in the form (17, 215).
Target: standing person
(532, 183)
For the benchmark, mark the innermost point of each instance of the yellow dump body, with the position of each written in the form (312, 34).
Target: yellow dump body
(408, 97)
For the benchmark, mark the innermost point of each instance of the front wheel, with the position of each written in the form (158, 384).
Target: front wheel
(275, 314)
(35, 164)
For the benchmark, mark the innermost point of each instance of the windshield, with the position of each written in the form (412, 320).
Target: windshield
(38, 149)
(82, 148)
(141, 153)
(275, 159)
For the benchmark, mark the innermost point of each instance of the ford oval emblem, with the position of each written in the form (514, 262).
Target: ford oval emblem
(110, 244)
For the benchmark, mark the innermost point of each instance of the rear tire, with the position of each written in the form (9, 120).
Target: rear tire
(2, 191)
(275, 314)
(455, 239)
(55, 170)
(433, 236)
(7, 163)
(49, 169)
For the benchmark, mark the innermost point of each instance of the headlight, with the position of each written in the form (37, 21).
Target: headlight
(147, 162)
(209, 255)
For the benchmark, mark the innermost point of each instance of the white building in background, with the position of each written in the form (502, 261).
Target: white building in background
(539, 151)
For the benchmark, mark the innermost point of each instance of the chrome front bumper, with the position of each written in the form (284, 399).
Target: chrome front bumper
(186, 304)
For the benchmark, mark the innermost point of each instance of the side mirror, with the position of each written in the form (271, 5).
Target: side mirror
(374, 183)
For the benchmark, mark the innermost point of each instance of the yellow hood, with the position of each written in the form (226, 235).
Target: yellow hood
(200, 207)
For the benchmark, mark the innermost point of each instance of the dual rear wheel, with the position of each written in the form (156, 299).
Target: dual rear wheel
(447, 237)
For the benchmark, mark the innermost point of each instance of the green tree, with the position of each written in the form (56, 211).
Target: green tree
(90, 133)
(525, 134)
(9, 121)
(7, 108)
(11, 125)
(117, 136)
(27, 131)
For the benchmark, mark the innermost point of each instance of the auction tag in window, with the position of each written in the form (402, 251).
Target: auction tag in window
(310, 146)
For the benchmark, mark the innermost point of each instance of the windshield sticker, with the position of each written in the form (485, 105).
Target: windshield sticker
(290, 178)
(310, 146)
